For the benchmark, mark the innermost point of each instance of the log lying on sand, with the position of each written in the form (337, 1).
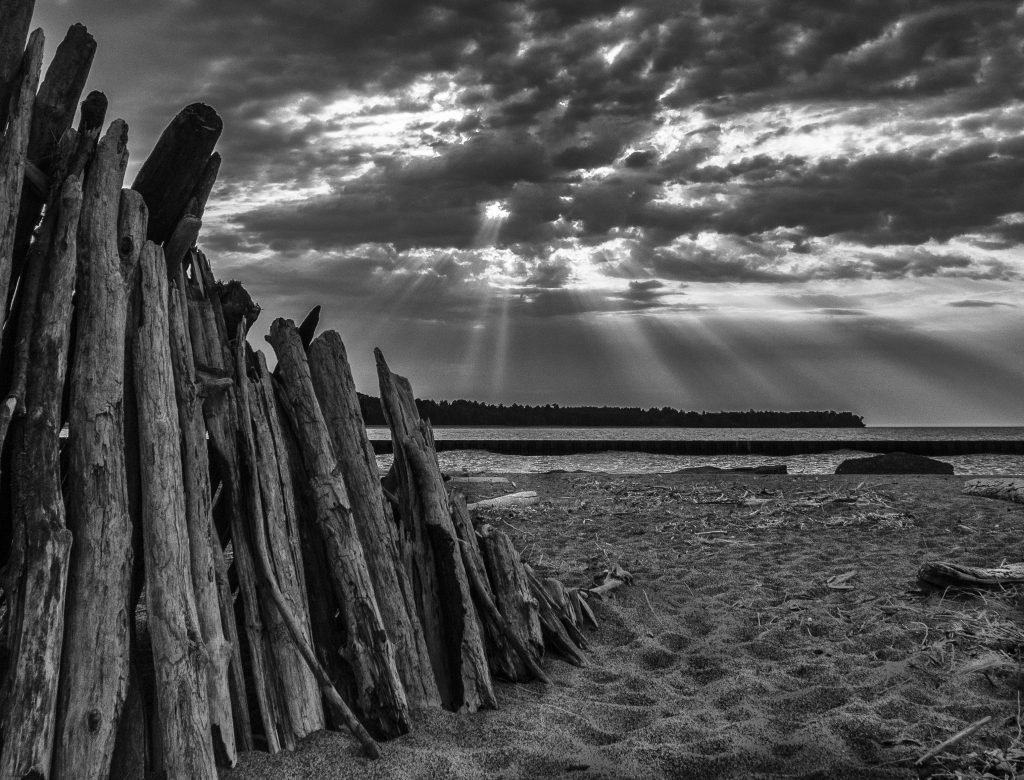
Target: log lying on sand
(1004, 489)
(522, 498)
(954, 575)
(431, 552)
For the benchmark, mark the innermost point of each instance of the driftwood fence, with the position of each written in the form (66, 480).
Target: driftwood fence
(199, 557)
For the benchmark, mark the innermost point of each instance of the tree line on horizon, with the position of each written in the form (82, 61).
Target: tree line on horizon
(477, 413)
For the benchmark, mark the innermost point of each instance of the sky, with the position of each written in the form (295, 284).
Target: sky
(703, 204)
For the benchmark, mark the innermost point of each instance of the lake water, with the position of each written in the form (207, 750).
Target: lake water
(644, 463)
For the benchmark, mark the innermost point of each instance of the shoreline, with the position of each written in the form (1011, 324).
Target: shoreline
(775, 628)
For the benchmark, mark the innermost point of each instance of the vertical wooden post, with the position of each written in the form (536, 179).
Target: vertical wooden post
(179, 654)
(17, 16)
(37, 572)
(13, 149)
(94, 673)
(199, 511)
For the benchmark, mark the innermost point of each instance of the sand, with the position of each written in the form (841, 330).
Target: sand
(775, 629)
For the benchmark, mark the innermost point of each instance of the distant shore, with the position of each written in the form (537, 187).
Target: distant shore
(477, 413)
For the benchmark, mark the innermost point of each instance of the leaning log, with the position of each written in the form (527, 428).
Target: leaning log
(36, 575)
(444, 595)
(199, 511)
(514, 642)
(13, 149)
(18, 340)
(17, 16)
(175, 166)
(274, 523)
(94, 674)
(213, 356)
(286, 607)
(54, 108)
(179, 654)
(336, 393)
(379, 698)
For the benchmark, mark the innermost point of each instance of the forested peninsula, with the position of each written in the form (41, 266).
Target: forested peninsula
(471, 413)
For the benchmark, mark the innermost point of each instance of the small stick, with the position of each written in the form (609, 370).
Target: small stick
(958, 737)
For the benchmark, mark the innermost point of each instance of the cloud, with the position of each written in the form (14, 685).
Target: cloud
(969, 303)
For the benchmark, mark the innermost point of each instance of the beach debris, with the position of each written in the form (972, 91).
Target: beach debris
(894, 463)
(841, 581)
(1004, 489)
(522, 498)
(941, 574)
(953, 740)
(609, 580)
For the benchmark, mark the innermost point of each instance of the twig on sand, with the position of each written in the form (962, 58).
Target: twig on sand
(956, 738)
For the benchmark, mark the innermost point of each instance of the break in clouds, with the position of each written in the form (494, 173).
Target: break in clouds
(442, 161)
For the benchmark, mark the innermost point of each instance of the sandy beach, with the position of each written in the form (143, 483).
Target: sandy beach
(775, 629)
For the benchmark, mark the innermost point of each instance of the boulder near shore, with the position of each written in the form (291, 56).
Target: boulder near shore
(894, 463)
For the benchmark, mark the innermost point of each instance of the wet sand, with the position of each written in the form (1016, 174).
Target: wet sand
(775, 629)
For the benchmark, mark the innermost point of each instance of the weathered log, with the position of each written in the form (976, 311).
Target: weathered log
(941, 574)
(36, 576)
(274, 525)
(559, 635)
(446, 610)
(179, 654)
(511, 588)
(175, 166)
(285, 606)
(336, 393)
(217, 412)
(52, 112)
(18, 340)
(204, 186)
(379, 697)
(94, 673)
(522, 498)
(198, 507)
(17, 16)
(325, 612)
(130, 758)
(13, 149)
(211, 349)
(515, 645)
(1004, 489)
